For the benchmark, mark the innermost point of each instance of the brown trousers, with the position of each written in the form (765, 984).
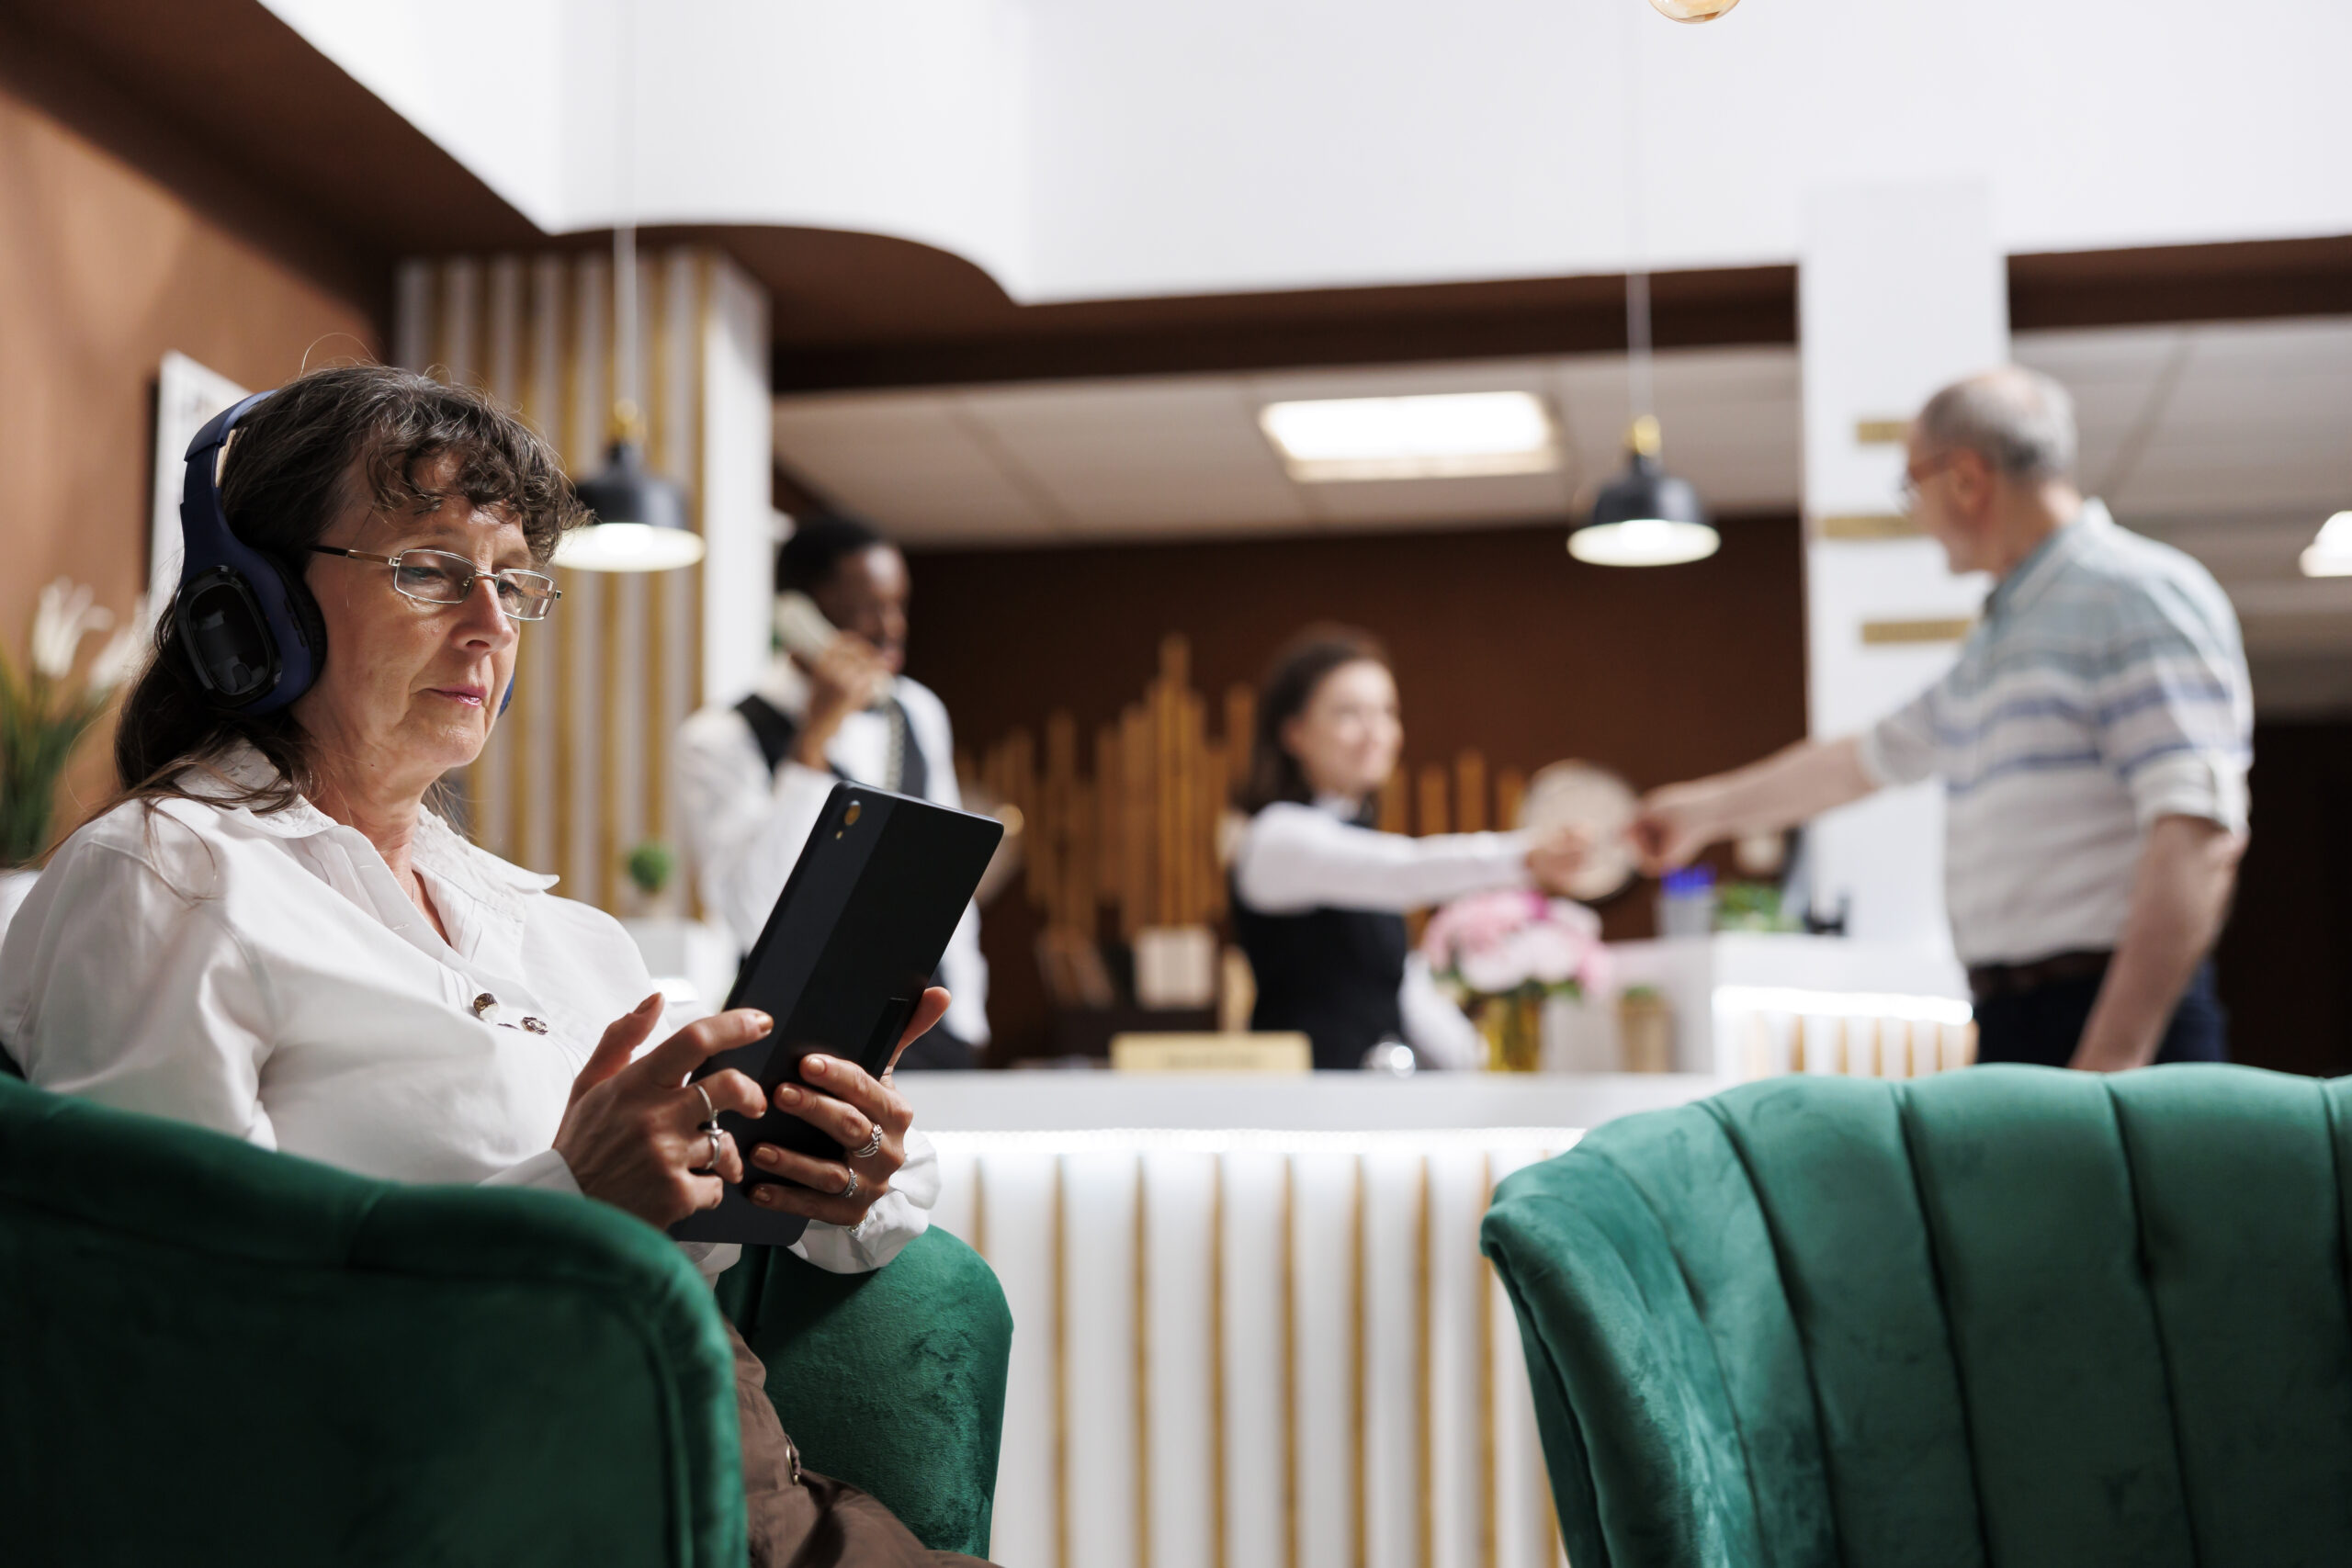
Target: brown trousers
(802, 1519)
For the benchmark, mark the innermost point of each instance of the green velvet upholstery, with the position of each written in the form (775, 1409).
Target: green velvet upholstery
(924, 1438)
(214, 1354)
(2005, 1316)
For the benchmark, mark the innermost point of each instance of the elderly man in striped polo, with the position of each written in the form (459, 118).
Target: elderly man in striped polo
(2092, 741)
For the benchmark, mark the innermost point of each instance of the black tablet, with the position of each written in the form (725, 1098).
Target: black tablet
(854, 939)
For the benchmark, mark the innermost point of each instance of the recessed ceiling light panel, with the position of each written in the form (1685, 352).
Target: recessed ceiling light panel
(1440, 435)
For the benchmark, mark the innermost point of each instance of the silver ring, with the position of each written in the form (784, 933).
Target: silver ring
(712, 1129)
(710, 1111)
(851, 1191)
(873, 1144)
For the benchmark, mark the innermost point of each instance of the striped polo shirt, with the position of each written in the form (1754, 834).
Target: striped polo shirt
(2105, 687)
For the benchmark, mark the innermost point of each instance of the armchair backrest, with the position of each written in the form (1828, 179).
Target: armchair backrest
(211, 1353)
(2007, 1315)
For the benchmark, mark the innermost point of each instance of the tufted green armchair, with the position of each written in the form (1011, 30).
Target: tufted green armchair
(214, 1354)
(2010, 1315)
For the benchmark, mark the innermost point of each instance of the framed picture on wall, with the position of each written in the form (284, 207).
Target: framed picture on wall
(187, 395)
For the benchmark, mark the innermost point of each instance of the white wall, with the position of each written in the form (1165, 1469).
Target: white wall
(1076, 149)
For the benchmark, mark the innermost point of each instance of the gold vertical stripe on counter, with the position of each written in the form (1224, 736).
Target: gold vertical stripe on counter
(1217, 1524)
(1290, 1366)
(1143, 1365)
(1424, 1348)
(1061, 1371)
(1551, 1509)
(1360, 1221)
(1489, 1535)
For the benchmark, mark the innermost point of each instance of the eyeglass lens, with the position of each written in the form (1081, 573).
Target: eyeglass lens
(435, 576)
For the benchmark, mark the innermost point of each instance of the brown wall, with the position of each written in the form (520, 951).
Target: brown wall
(104, 265)
(1501, 643)
(2285, 962)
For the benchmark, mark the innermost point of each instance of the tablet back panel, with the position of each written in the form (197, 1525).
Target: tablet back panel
(857, 935)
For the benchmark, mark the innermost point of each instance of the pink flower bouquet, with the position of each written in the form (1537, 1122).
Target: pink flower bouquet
(1515, 943)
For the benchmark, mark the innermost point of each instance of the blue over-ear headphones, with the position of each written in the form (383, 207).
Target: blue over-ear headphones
(245, 618)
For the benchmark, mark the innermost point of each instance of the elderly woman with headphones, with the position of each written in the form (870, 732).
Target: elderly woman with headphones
(271, 934)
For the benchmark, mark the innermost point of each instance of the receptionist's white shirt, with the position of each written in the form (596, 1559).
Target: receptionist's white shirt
(265, 975)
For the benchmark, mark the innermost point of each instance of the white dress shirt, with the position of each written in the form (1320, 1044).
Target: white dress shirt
(1296, 858)
(745, 827)
(265, 976)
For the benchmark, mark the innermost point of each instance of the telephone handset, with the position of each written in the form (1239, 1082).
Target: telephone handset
(803, 631)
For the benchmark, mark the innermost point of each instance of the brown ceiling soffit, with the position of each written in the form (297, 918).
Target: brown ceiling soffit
(250, 93)
(2181, 283)
(1264, 332)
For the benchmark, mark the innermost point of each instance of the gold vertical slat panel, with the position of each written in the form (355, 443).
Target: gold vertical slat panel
(578, 772)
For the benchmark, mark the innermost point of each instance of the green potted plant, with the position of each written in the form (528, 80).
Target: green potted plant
(45, 712)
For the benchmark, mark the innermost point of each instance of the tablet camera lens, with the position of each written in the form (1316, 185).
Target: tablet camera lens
(849, 817)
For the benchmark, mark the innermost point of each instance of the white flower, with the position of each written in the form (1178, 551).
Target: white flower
(125, 653)
(64, 618)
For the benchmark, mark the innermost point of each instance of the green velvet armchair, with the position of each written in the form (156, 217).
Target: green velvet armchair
(2009, 1315)
(213, 1354)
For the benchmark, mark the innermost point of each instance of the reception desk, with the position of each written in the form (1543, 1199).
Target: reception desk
(1251, 1310)
(1253, 1328)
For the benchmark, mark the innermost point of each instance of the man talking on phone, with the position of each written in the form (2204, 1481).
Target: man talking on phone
(753, 777)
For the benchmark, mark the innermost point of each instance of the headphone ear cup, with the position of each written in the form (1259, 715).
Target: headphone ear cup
(303, 667)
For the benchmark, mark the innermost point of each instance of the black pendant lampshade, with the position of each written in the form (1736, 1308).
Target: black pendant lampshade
(640, 519)
(1644, 516)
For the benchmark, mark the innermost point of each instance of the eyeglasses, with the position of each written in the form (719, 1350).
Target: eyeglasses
(437, 577)
(1907, 493)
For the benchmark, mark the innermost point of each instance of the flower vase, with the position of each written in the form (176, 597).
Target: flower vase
(1514, 1025)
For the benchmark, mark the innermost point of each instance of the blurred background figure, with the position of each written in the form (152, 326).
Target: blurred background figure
(753, 775)
(1319, 897)
(2092, 741)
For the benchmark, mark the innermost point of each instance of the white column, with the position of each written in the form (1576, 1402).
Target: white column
(1901, 289)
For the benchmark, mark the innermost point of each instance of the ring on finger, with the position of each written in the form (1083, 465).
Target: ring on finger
(851, 1191)
(710, 1111)
(714, 1134)
(873, 1144)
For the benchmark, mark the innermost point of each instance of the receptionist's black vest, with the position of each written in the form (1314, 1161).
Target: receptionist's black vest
(1332, 974)
(775, 730)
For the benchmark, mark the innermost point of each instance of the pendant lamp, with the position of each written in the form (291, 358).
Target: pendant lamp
(641, 516)
(1644, 516)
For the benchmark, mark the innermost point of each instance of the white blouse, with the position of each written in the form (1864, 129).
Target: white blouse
(1296, 858)
(745, 828)
(265, 976)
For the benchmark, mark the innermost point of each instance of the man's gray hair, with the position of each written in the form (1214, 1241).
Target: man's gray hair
(2019, 420)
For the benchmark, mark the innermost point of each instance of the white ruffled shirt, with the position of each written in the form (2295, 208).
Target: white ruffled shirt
(263, 976)
(1296, 858)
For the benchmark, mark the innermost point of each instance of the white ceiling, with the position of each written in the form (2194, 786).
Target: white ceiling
(2231, 440)
(1183, 456)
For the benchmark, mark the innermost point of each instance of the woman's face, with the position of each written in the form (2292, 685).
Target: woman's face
(1347, 737)
(409, 690)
